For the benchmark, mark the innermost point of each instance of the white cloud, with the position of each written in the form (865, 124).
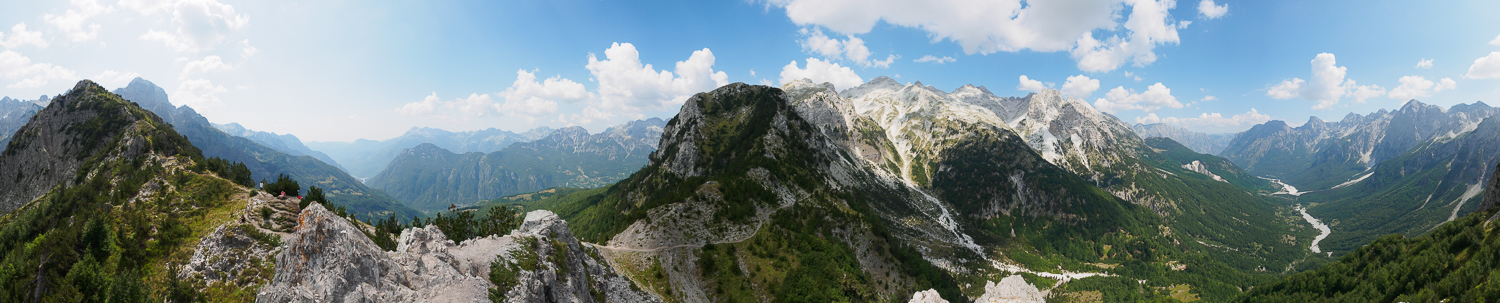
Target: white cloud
(247, 51)
(75, 21)
(426, 106)
(1424, 63)
(1211, 11)
(1133, 76)
(19, 37)
(1080, 86)
(1154, 98)
(1363, 92)
(201, 94)
(148, 7)
(208, 64)
(1149, 24)
(201, 25)
(1445, 84)
(932, 59)
(1487, 67)
(1496, 41)
(626, 83)
(1413, 87)
(1027, 84)
(1208, 98)
(766, 82)
(527, 98)
(986, 27)
(1326, 88)
(476, 105)
(852, 48)
(820, 71)
(110, 78)
(587, 115)
(24, 74)
(1251, 117)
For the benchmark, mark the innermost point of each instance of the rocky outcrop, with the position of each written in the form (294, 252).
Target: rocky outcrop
(329, 260)
(926, 296)
(1012, 289)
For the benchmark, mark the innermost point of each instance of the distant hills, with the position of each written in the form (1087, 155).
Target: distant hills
(365, 158)
(264, 162)
(428, 177)
(284, 143)
(1199, 142)
(14, 114)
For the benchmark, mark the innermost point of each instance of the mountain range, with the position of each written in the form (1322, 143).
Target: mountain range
(14, 114)
(287, 143)
(264, 163)
(428, 177)
(1202, 143)
(365, 158)
(880, 192)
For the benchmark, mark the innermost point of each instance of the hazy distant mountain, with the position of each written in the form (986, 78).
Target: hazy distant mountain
(14, 114)
(1319, 154)
(1199, 142)
(264, 162)
(428, 177)
(285, 143)
(365, 158)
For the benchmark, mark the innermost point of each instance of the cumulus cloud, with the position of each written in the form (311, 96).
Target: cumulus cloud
(19, 37)
(1496, 41)
(820, 71)
(1208, 98)
(1363, 92)
(1154, 98)
(24, 74)
(1251, 117)
(201, 94)
(1027, 84)
(1326, 87)
(476, 105)
(1487, 67)
(1424, 63)
(208, 64)
(74, 23)
(852, 48)
(426, 106)
(1150, 24)
(626, 83)
(201, 24)
(1080, 86)
(1208, 10)
(934, 59)
(986, 27)
(1413, 87)
(528, 98)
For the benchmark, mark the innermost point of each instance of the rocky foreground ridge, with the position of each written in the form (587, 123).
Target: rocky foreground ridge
(328, 259)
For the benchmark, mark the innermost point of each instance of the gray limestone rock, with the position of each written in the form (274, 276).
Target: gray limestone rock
(328, 260)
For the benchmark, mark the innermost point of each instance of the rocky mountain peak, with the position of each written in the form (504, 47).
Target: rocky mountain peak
(54, 144)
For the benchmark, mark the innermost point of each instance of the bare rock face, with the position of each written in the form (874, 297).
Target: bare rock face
(564, 270)
(927, 296)
(1012, 289)
(329, 260)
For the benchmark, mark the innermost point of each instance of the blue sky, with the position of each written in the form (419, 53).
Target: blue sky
(341, 70)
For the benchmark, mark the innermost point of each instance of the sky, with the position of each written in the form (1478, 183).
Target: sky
(344, 70)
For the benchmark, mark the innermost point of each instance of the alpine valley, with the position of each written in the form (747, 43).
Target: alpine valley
(881, 192)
